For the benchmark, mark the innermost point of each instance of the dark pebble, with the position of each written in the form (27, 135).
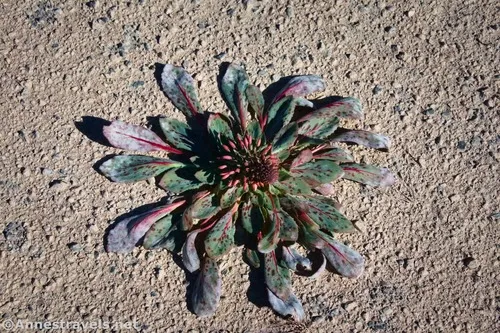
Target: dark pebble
(137, 84)
(461, 145)
(429, 112)
(377, 89)
(91, 4)
(15, 236)
(377, 326)
(220, 55)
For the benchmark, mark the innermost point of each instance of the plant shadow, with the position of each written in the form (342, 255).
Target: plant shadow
(92, 127)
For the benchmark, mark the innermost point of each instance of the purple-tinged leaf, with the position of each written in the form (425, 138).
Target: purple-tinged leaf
(178, 85)
(334, 154)
(318, 172)
(255, 100)
(305, 156)
(286, 139)
(207, 289)
(289, 231)
(156, 235)
(300, 86)
(251, 257)
(177, 133)
(344, 260)
(279, 116)
(205, 207)
(234, 84)
(293, 260)
(368, 174)
(280, 293)
(218, 126)
(348, 107)
(190, 256)
(304, 102)
(323, 212)
(251, 217)
(271, 232)
(325, 189)
(132, 168)
(133, 137)
(318, 128)
(220, 238)
(127, 233)
(364, 138)
(293, 186)
(179, 180)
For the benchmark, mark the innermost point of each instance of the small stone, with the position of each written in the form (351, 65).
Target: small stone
(111, 12)
(289, 11)
(26, 172)
(92, 4)
(377, 90)
(75, 247)
(490, 103)
(350, 306)
(389, 29)
(387, 311)
(47, 172)
(461, 145)
(220, 55)
(137, 84)
(15, 236)
(455, 198)
(470, 262)
(261, 72)
(58, 186)
(410, 13)
(429, 112)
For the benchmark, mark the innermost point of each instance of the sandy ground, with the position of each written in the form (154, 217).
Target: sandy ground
(426, 71)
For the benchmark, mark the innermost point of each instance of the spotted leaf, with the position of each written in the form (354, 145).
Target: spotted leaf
(132, 168)
(190, 257)
(207, 289)
(318, 172)
(178, 133)
(179, 180)
(368, 174)
(279, 116)
(344, 108)
(220, 238)
(334, 154)
(234, 84)
(323, 212)
(300, 86)
(178, 85)
(364, 138)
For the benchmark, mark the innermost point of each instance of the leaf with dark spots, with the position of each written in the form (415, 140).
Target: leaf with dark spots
(179, 180)
(364, 138)
(205, 207)
(255, 131)
(344, 260)
(128, 232)
(323, 212)
(251, 257)
(218, 126)
(133, 168)
(279, 290)
(270, 232)
(230, 196)
(368, 174)
(289, 230)
(179, 134)
(294, 186)
(190, 257)
(207, 289)
(158, 232)
(220, 238)
(292, 259)
(234, 84)
(334, 154)
(348, 107)
(251, 217)
(286, 139)
(137, 138)
(300, 86)
(178, 85)
(304, 156)
(279, 116)
(318, 172)
(318, 128)
(255, 100)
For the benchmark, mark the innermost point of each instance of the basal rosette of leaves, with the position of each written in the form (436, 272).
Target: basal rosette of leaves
(258, 177)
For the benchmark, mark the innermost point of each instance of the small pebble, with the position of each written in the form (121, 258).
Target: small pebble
(377, 90)
(350, 306)
(220, 55)
(461, 145)
(58, 186)
(75, 247)
(470, 262)
(490, 103)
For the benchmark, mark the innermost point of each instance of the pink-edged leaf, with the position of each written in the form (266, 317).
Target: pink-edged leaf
(133, 137)
(344, 108)
(156, 236)
(178, 85)
(207, 289)
(364, 138)
(234, 84)
(318, 128)
(132, 168)
(220, 238)
(368, 174)
(300, 86)
(127, 233)
(325, 189)
(305, 156)
(279, 290)
(334, 154)
(344, 260)
(190, 256)
(279, 115)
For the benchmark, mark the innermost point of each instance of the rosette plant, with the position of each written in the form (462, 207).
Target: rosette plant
(258, 177)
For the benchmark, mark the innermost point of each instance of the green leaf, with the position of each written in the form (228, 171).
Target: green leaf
(294, 186)
(279, 116)
(190, 257)
(133, 168)
(251, 217)
(205, 176)
(300, 86)
(234, 84)
(286, 139)
(157, 233)
(221, 237)
(178, 85)
(318, 128)
(289, 231)
(255, 131)
(179, 180)
(218, 126)
(368, 174)
(364, 138)
(251, 257)
(323, 212)
(334, 154)
(263, 200)
(271, 232)
(255, 100)
(178, 133)
(280, 293)
(230, 196)
(304, 156)
(205, 207)
(207, 289)
(318, 172)
(344, 260)
(348, 107)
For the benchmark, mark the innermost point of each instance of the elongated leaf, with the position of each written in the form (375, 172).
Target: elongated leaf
(132, 168)
(251, 257)
(345, 260)
(293, 260)
(325, 189)
(348, 107)
(286, 139)
(155, 236)
(300, 86)
(279, 291)
(304, 157)
(218, 126)
(279, 116)
(289, 230)
(294, 186)
(323, 212)
(334, 154)
(364, 138)
(127, 233)
(318, 172)
(178, 85)
(205, 207)
(255, 100)
(179, 180)
(319, 128)
(207, 289)
(251, 217)
(271, 232)
(179, 134)
(221, 237)
(368, 174)
(255, 131)
(230, 196)
(234, 84)
(133, 137)
(190, 257)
